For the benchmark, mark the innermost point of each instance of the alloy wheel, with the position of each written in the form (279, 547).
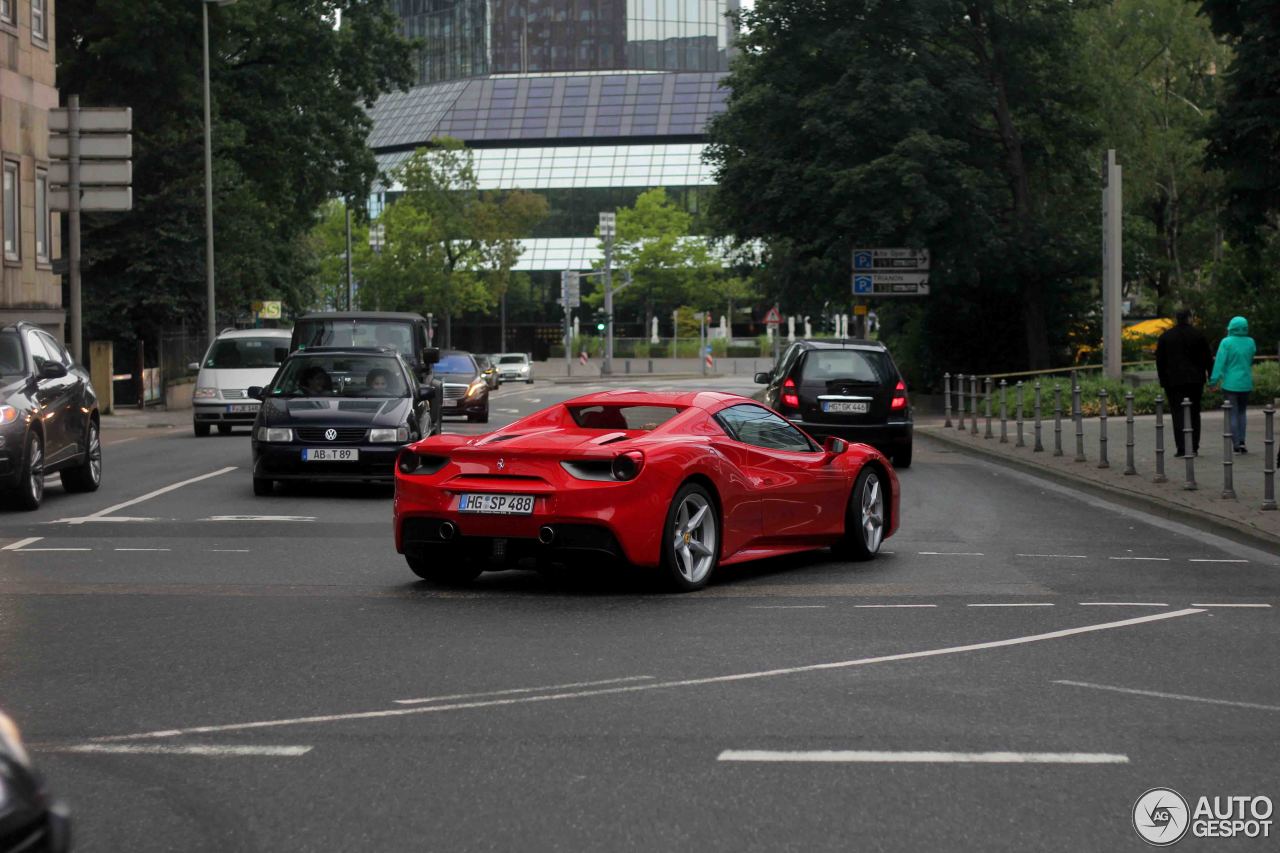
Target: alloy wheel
(35, 470)
(872, 514)
(694, 538)
(95, 454)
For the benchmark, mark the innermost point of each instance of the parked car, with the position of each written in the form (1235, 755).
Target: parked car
(677, 482)
(515, 367)
(406, 333)
(236, 360)
(31, 821)
(488, 370)
(337, 413)
(48, 417)
(465, 390)
(850, 389)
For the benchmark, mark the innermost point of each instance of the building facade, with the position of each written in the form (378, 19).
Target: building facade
(29, 289)
(587, 102)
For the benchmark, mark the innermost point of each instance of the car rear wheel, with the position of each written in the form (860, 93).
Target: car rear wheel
(691, 539)
(201, 430)
(87, 476)
(31, 483)
(902, 456)
(454, 571)
(864, 519)
(263, 487)
(224, 429)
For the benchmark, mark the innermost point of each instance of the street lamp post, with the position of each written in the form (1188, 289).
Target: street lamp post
(608, 231)
(212, 327)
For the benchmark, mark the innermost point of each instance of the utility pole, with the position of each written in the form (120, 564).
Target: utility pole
(73, 224)
(1112, 271)
(608, 230)
(351, 287)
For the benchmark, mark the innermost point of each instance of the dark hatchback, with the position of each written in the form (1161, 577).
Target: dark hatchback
(337, 414)
(849, 389)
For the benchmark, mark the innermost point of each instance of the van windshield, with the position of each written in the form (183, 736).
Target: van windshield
(235, 353)
(511, 359)
(356, 333)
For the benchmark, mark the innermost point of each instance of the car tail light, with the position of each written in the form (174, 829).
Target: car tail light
(899, 396)
(410, 462)
(790, 397)
(626, 466)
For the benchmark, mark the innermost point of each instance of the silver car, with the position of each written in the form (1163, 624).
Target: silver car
(514, 367)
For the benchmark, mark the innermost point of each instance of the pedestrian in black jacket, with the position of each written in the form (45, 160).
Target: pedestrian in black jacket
(1183, 364)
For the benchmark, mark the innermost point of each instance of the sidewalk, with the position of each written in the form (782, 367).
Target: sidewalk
(1204, 505)
(153, 417)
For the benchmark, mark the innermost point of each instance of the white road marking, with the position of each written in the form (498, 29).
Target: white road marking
(523, 690)
(786, 607)
(1014, 604)
(143, 549)
(1182, 696)
(1121, 604)
(21, 543)
(535, 399)
(1057, 556)
(229, 550)
(36, 550)
(858, 756)
(1218, 561)
(950, 554)
(148, 496)
(1148, 559)
(119, 441)
(1231, 605)
(260, 518)
(659, 685)
(150, 749)
(898, 606)
(109, 518)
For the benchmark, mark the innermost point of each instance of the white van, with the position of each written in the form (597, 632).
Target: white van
(237, 360)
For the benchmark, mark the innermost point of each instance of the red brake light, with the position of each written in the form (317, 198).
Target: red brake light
(789, 395)
(899, 396)
(626, 466)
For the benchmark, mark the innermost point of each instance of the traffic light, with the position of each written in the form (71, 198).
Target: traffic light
(600, 327)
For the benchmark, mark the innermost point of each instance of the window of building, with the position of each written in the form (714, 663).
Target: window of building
(7, 13)
(42, 216)
(38, 30)
(11, 211)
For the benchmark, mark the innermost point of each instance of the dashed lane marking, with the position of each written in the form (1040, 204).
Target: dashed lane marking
(142, 549)
(950, 554)
(1121, 604)
(148, 496)
(1231, 605)
(786, 606)
(656, 685)
(858, 756)
(1219, 561)
(891, 606)
(1014, 604)
(1056, 556)
(1147, 559)
(260, 518)
(1180, 696)
(156, 749)
(518, 690)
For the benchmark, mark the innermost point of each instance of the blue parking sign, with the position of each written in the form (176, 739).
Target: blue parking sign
(862, 260)
(863, 283)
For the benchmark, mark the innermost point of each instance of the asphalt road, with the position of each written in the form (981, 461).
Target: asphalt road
(200, 669)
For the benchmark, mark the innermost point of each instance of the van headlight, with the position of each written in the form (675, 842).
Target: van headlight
(274, 434)
(386, 436)
(204, 392)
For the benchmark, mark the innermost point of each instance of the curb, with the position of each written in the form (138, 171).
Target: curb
(1215, 524)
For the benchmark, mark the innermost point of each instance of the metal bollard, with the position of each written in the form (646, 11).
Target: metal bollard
(1129, 468)
(1269, 463)
(960, 401)
(1190, 485)
(1039, 448)
(1020, 442)
(651, 365)
(1057, 419)
(1228, 450)
(1077, 414)
(1159, 477)
(946, 397)
(1102, 429)
(973, 406)
(988, 396)
(626, 366)
(1004, 415)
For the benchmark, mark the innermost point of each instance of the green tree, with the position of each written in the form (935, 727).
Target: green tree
(501, 219)
(957, 126)
(327, 250)
(289, 93)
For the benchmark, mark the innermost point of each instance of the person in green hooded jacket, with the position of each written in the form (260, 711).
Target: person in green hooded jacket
(1233, 370)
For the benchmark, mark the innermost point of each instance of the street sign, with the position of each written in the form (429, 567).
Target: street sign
(570, 289)
(94, 198)
(104, 146)
(265, 310)
(773, 318)
(608, 224)
(891, 272)
(863, 284)
(103, 172)
(93, 120)
(900, 278)
(860, 310)
(890, 259)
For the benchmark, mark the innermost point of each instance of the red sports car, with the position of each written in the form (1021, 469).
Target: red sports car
(682, 482)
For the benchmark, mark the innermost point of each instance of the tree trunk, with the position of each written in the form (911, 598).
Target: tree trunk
(448, 329)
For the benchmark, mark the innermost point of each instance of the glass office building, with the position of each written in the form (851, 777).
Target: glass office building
(588, 102)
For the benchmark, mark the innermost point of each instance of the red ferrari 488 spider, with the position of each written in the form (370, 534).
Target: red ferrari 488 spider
(679, 482)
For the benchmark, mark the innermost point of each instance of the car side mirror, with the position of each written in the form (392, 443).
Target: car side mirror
(255, 392)
(426, 393)
(762, 378)
(52, 370)
(834, 446)
(195, 365)
(430, 355)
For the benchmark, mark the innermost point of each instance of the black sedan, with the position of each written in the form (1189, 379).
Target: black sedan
(30, 820)
(337, 414)
(466, 391)
(48, 417)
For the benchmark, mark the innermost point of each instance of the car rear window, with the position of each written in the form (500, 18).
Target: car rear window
(867, 366)
(233, 353)
(622, 417)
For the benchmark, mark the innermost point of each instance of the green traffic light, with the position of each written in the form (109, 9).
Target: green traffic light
(599, 327)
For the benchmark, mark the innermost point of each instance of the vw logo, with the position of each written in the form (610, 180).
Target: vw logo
(331, 434)
(502, 463)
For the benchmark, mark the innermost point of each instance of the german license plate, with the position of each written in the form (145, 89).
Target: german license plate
(496, 504)
(330, 454)
(242, 408)
(844, 407)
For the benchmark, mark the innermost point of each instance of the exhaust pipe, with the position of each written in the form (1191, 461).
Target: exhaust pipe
(546, 534)
(447, 529)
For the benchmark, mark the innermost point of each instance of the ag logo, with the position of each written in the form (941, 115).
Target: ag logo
(331, 434)
(1161, 817)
